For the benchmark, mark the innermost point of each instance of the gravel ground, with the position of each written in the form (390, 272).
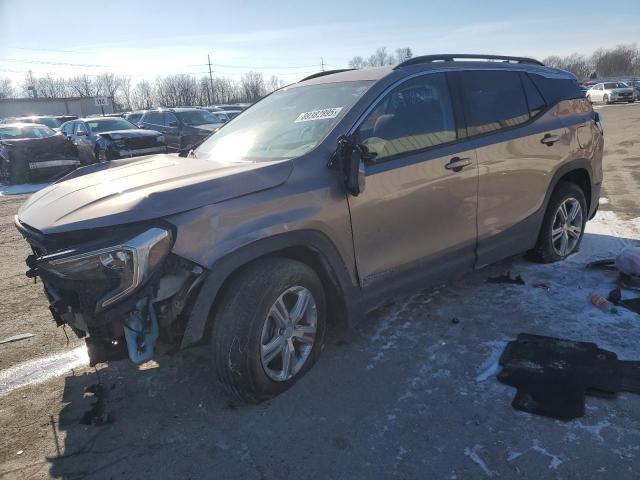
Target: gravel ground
(411, 393)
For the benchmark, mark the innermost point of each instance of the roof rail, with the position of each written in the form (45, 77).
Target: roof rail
(450, 57)
(325, 72)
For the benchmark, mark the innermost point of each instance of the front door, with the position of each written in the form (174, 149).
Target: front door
(417, 215)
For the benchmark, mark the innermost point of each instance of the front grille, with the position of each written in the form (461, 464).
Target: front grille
(141, 142)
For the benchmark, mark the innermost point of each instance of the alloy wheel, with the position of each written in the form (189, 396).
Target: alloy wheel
(289, 334)
(567, 227)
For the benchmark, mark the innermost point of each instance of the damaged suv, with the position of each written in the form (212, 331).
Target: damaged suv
(317, 204)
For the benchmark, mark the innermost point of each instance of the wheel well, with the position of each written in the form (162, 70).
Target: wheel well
(336, 308)
(581, 178)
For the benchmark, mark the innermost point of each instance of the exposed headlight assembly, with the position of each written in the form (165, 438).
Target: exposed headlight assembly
(119, 269)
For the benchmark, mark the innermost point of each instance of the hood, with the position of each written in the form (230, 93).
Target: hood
(131, 133)
(143, 188)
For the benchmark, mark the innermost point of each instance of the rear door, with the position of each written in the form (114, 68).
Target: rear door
(416, 219)
(519, 144)
(171, 130)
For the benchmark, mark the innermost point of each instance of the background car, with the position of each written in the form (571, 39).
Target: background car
(108, 138)
(183, 128)
(134, 117)
(610, 92)
(28, 150)
(50, 121)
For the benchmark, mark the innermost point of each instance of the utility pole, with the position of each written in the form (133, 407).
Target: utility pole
(322, 61)
(210, 92)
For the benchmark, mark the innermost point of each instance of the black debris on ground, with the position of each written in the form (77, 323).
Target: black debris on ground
(506, 278)
(553, 375)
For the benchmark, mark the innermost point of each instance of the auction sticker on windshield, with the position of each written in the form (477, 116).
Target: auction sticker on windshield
(318, 114)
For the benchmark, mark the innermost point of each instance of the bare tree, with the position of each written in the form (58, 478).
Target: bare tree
(274, 83)
(51, 87)
(6, 88)
(124, 95)
(82, 86)
(107, 84)
(621, 60)
(143, 96)
(253, 87)
(403, 54)
(357, 62)
(176, 90)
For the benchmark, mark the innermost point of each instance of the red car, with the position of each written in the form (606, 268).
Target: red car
(29, 150)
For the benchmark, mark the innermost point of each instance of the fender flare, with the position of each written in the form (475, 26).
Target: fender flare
(349, 293)
(577, 164)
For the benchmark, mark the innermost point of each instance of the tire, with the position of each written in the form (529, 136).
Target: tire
(589, 99)
(18, 171)
(547, 250)
(245, 324)
(605, 100)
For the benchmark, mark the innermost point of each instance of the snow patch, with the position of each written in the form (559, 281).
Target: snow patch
(490, 366)
(472, 453)
(555, 460)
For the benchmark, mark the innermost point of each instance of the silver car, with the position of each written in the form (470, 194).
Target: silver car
(610, 92)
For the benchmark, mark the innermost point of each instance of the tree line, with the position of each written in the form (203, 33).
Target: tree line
(184, 89)
(166, 91)
(622, 60)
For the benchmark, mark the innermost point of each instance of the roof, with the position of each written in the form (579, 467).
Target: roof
(21, 125)
(434, 62)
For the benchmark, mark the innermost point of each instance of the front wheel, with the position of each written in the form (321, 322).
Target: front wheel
(18, 171)
(605, 100)
(269, 329)
(563, 225)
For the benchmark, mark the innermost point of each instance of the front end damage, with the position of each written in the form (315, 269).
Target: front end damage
(121, 289)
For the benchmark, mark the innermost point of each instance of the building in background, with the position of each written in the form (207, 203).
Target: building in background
(80, 106)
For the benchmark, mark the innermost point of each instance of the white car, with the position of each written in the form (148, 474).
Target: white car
(610, 92)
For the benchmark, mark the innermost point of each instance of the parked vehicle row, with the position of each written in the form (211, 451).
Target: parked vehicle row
(51, 121)
(318, 203)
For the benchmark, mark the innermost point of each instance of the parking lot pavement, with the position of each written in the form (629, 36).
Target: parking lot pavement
(411, 393)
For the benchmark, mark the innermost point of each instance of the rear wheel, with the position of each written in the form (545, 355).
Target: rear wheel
(605, 100)
(269, 329)
(563, 225)
(589, 99)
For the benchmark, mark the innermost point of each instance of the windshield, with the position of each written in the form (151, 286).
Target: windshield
(48, 121)
(109, 125)
(286, 124)
(609, 86)
(197, 117)
(9, 133)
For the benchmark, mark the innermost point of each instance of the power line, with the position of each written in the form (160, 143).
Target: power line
(65, 64)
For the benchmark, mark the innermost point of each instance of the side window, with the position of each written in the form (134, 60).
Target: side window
(67, 128)
(80, 128)
(495, 100)
(168, 118)
(153, 118)
(534, 98)
(416, 115)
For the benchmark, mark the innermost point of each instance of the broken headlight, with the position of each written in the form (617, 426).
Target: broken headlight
(117, 270)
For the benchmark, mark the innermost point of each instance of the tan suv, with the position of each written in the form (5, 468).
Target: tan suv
(315, 205)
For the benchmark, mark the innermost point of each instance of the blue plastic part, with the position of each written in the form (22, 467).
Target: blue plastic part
(150, 335)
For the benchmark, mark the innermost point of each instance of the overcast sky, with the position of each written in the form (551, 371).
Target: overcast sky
(288, 38)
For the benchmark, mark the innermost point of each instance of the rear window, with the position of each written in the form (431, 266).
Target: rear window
(612, 85)
(16, 133)
(495, 101)
(555, 90)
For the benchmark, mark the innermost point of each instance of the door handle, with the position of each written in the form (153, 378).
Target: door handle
(457, 164)
(549, 139)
